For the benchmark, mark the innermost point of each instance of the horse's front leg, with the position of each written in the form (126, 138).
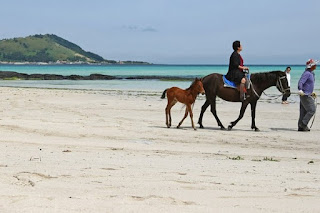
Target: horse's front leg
(214, 112)
(203, 109)
(253, 116)
(242, 110)
(191, 116)
(185, 115)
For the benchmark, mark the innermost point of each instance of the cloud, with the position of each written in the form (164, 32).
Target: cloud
(139, 28)
(149, 29)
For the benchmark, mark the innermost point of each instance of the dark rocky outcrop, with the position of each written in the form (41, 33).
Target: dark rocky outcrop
(155, 77)
(7, 75)
(100, 77)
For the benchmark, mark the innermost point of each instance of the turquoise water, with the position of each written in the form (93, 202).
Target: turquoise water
(133, 70)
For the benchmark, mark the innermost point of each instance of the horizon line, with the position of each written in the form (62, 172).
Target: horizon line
(181, 64)
(166, 64)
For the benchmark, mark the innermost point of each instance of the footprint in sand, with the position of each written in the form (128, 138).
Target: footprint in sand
(169, 200)
(29, 178)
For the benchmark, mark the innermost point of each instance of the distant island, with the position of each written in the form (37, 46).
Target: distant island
(49, 49)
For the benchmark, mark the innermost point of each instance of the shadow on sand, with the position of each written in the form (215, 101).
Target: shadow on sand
(284, 129)
(208, 128)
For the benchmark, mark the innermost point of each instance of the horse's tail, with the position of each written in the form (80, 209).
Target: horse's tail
(164, 94)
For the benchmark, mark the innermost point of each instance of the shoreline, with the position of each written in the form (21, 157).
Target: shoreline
(155, 92)
(133, 64)
(274, 98)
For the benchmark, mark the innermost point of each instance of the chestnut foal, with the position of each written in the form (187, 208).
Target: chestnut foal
(187, 97)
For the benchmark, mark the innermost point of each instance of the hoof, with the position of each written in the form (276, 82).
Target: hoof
(229, 127)
(255, 129)
(201, 126)
(222, 128)
(168, 126)
(195, 129)
(178, 127)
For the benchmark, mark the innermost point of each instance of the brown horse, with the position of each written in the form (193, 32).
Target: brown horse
(187, 97)
(214, 86)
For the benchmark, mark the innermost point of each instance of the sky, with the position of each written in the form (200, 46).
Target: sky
(174, 31)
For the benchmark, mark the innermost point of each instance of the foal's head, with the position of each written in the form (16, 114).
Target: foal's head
(198, 86)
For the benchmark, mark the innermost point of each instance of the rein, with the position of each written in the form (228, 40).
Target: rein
(251, 85)
(272, 97)
(280, 86)
(314, 116)
(316, 104)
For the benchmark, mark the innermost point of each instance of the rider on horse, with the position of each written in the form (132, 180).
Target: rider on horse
(236, 72)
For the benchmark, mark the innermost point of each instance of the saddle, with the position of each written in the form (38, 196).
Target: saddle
(231, 84)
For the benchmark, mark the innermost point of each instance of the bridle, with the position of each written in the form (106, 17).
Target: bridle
(279, 84)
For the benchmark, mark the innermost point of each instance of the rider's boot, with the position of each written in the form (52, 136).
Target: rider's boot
(242, 92)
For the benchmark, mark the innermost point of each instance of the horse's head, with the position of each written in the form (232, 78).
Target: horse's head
(282, 83)
(199, 86)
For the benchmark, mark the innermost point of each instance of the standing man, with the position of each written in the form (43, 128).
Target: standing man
(285, 97)
(305, 86)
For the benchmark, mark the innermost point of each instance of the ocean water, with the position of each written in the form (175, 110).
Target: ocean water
(134, 70)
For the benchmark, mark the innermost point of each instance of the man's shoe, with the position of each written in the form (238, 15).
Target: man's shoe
(306, 129)
(303, 129)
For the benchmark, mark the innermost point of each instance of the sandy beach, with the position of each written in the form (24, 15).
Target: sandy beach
(110, 151)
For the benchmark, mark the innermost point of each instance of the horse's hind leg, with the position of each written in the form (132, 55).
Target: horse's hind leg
(214, 112)
(167, 111)
(185, 115)
(203, 109)
(167, 114)
(242, 110)
(170, 104)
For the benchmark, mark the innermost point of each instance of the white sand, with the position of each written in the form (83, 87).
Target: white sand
(109, 151)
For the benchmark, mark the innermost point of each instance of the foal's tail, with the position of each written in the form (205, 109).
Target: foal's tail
(164, 94)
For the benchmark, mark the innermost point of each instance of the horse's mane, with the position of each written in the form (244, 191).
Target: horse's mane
(265, 76)
(192, 84)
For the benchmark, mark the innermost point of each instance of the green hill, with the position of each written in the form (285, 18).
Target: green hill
(45, 48)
